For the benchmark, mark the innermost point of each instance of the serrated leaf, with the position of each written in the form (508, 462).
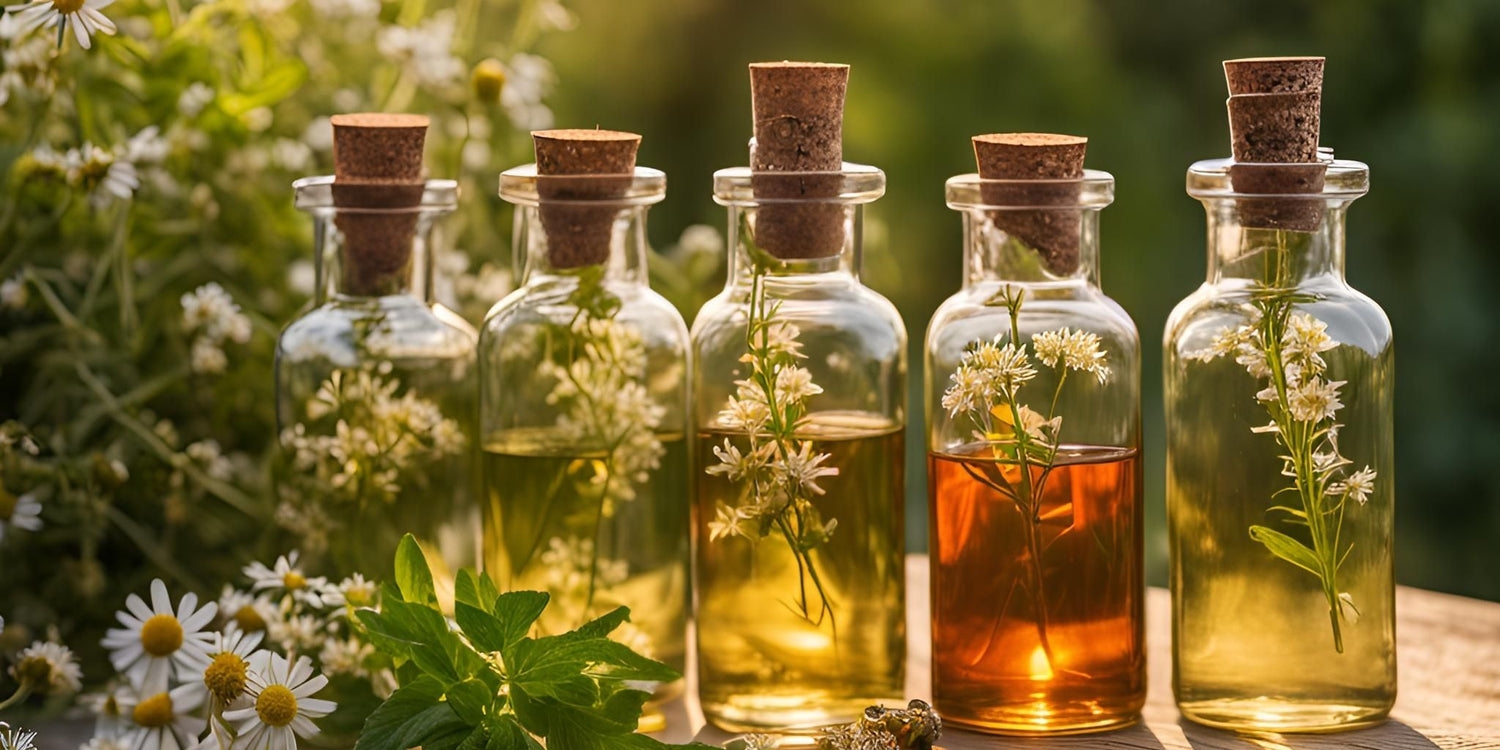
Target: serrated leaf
(602, 625)
(506, 734)
(1286, 548)
(414, 715)
(385, 634)
(413, 576)
(483, 629)
(469, 699)
(516, 612)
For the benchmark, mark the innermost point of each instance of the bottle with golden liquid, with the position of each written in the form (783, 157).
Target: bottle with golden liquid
(1280, 450)
(798, 397)
(583, 404)
(1034, 464)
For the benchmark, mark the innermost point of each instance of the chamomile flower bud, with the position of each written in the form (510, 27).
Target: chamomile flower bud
(488, 80)
(48, 668)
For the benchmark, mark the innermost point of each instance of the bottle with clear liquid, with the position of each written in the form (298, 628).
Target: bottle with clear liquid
(1034, 470)
(1279, 465)
(799, 390)
(375, 394)
(583, 404)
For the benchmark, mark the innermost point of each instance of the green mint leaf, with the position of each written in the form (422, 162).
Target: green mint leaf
(434, 648)
(1287, 548)
(392, 635)
(602, 625)
(517, 611)
(466, 589)
(470, 698)
(483, 629)
(506, 734)
(413, 576)
(414, 715)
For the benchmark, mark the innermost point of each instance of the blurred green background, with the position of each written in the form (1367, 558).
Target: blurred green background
(1412, 88)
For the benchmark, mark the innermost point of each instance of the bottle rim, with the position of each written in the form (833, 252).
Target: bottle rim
(315, 194)
(1342, 179)
(851, 185)
(1095, 190)
(523, 186)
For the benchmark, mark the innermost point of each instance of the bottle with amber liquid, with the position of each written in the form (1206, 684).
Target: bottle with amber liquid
(798, 396)
(1034, 461)
(583, 403)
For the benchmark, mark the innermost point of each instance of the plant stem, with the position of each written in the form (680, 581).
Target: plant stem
(18, 696)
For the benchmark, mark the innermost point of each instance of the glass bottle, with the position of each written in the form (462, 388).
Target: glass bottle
(583, 403)
(375, 394)
(799, 570)
(1036, 533)
(1279, 466)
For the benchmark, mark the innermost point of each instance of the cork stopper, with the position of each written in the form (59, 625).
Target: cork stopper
(579, 235)
(1275, 112)
(798, 111)
(1054, 233)
(1273, 75)
(377, 160)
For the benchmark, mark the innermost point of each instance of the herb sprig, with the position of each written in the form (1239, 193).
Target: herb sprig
(481, 682)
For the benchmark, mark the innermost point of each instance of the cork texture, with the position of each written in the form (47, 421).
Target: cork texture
(798, 121)
(1277, 128)
(378, 188)
(1042, 157)
(1275, 114)
(1273, 75)
(600, 165)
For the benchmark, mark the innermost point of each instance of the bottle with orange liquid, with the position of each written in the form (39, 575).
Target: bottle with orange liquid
(1034, 468)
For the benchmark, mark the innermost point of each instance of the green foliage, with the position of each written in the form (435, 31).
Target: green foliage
(488, 684)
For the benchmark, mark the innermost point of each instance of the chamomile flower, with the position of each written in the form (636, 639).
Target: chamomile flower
(82, 15)
(248, 612)
(48, 668)
(281, 707)
(299, 632)
(287, 576)
(109, 716)
(358, 592)
(157, 641)
(164, 719)
(226, 665)
(23, 512)
(345, 656)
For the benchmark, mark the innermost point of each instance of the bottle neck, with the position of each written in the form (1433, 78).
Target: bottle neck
(370, 255)
(558, 248)
(1068, 254)
(789, 259)
(1242, 246)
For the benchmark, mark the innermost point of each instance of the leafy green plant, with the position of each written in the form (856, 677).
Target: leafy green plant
(481, 681)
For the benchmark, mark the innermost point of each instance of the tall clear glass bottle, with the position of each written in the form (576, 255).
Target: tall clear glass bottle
(375, 393)
(798, 396)
(1279, 466)
(584, 376)
(1036, 533)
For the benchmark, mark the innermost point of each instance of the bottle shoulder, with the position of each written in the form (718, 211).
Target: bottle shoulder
(552, 305)
(974, 313)
(1351, 316)
(845, 310)
(347, 332)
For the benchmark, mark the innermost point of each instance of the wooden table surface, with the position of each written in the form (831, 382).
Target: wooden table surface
(1448, 653)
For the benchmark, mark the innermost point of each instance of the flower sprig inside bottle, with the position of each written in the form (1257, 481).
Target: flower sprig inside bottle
(1284, 349)
(779, 472)
(1022, 442)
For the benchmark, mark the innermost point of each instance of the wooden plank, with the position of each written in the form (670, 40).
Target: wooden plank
(1448, 651)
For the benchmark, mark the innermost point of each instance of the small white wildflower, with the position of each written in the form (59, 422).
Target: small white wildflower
(802, 470)
(49, 668)
(1005, 368)
(425, 51)
(210, 456)
(298, 633)
(1315, 401)
(84, 17)
(245, 611)
(1076, 350)
(345, 656)
(207, 357)
(357, 592)
(967, 391)
(795, 384)
(528, 80)
(210, 310)
(194, 99)
(730, 522)
(19, 512)
(288, 577)
(705, 240)
(13, 292)
(15, 738)
(1359, 486)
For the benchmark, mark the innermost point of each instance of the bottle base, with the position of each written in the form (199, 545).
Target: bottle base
(791, 715)
(1273, 715)
(1042, 723)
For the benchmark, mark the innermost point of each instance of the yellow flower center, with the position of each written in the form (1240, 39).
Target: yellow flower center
(276, 706)
(153, 712)
(225, 676)
(8, 504)
(161, 635)
(293, 580)
(249, 619)
(66, 7)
